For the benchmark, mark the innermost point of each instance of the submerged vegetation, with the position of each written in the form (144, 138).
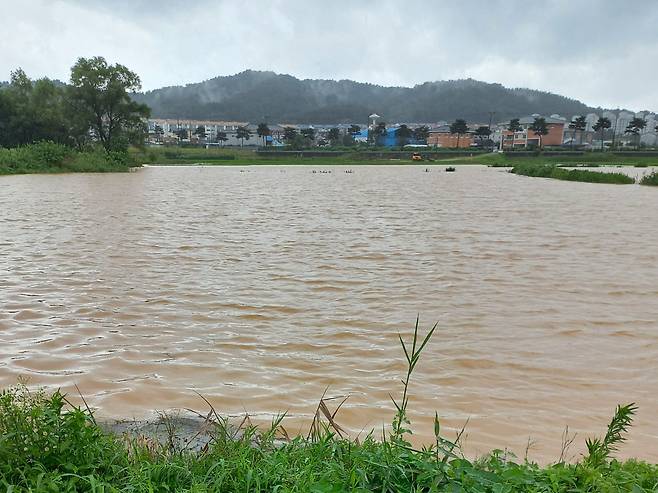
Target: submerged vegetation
(47, 444)
(558, 173)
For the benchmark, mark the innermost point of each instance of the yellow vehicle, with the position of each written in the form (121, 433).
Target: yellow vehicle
(416, 157)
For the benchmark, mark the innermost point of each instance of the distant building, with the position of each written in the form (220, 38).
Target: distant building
(171, 128)
(620, 123)
(442, 137)
(527, 138)
(591, 120)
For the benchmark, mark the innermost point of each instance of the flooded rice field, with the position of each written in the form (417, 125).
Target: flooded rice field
(260, 287)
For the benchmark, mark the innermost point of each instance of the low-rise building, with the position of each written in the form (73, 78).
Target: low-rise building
(442, 137)
(525, 137)
(169, 130)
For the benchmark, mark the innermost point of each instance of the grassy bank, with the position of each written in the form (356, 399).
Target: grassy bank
(48, 157)
(557, 173)
(48, 445)
(588, 159)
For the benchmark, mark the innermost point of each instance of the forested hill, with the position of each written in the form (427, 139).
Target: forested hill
(256, 96)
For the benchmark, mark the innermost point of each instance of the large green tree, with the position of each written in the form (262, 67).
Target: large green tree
(601, 125)
(578, 126)
(308, 133)
(482, 133)
(200, 132)
(182, 134)
(333, 135)
(403, 133)
(540, 128)
(289, 134)
(422, 133)
(459, 127)
(513, 126)
(378, 133)
(31, 111)
(100, 95)
(221, 137)
(263, 131)
(635, 127)
(242, 133)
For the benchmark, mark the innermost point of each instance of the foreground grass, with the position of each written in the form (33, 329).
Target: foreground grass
(48, 157)
(552, 171)
(48, 445)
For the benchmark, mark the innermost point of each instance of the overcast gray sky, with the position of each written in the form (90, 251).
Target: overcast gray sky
(603, 52)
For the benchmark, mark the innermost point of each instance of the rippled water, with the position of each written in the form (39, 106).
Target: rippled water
(261, 287)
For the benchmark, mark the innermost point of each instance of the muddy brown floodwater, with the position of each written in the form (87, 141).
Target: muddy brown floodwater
(259, 287)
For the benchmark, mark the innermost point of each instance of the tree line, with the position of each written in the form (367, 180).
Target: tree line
(94, 108)
(579, 124)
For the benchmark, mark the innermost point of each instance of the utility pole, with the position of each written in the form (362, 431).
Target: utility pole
(491, 117)
(614, 131)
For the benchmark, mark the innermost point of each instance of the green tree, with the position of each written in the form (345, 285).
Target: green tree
(354, 129)
(378, 133)
(242, 133)
(298, 142)
(333, 135)
(31, 111)
(23, 122)
(289, 133)
(6, 115)
(402, 134)
(422, 133)
(483, 133)
(308, 133)
(578, 126)
(182, 134)
(601, 125)
(263, 131)
(100, 93)
(348, 139)
(513, 126)
(159, 132)
(221, 137)
(635, 127)
(200, 132)
(540, 128)
(459, 127)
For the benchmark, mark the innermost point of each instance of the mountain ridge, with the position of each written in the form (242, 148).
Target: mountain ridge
(256, 96)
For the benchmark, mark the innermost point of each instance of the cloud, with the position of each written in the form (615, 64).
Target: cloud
(598, 51)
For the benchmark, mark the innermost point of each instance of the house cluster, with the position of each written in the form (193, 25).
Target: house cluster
(560, 132)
